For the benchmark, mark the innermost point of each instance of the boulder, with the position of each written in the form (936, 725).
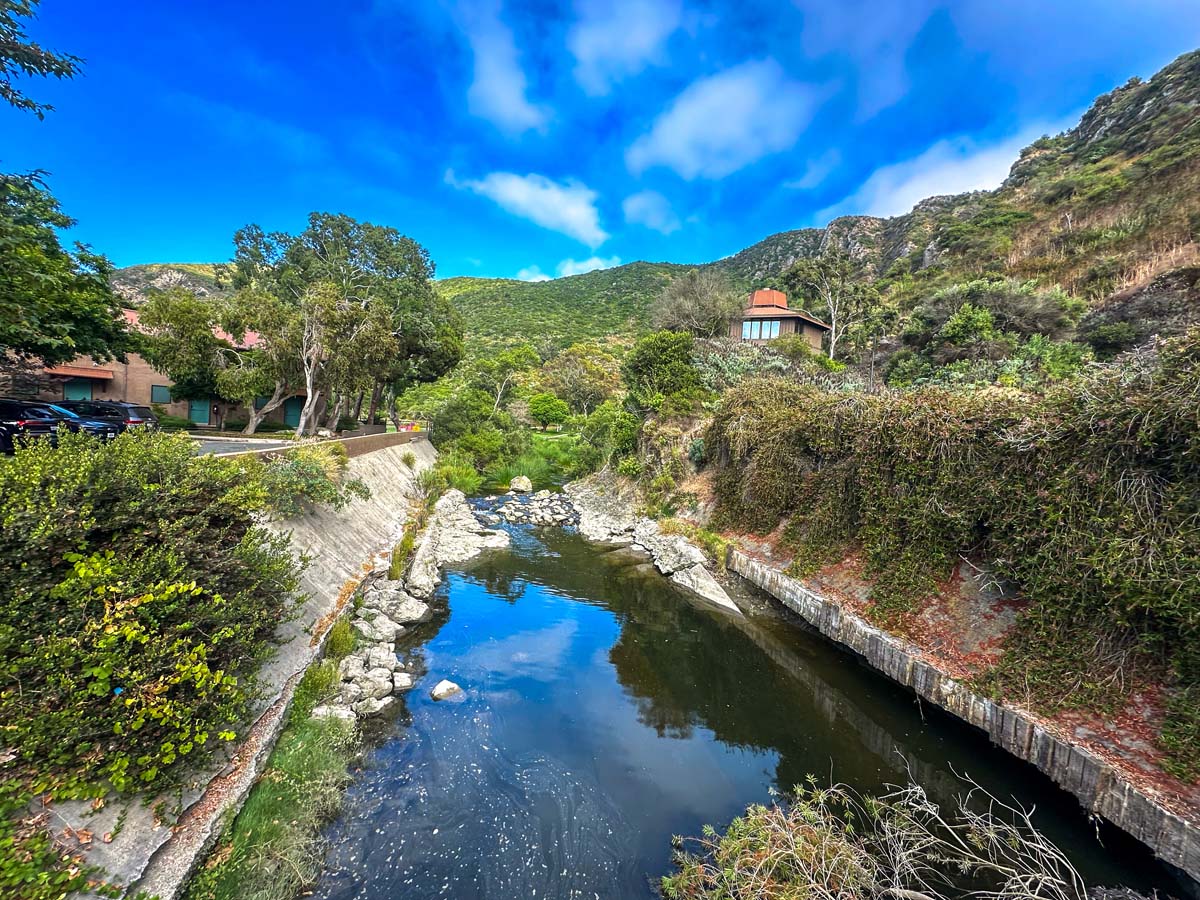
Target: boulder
(521, 484)
(382, 656)
(341, 713)
(352, 667)
(405, 609)
(402, 681)
(444, 690)
(376, 682)
(378, 627)
(373, 706)
(351, 692)
(453, 535)
(700, 582)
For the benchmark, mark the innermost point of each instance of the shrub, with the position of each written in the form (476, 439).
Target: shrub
(630, 467)
(140, 594)
(660, 364)
(409, 459)
(309, 475)
(833, 843)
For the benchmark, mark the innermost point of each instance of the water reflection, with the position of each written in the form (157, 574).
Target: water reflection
(605, 713)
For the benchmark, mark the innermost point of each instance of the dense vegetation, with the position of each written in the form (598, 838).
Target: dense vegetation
(1085, 498)
(141, 591)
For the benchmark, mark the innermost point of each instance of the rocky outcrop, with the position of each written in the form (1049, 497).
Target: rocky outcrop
(606, 514)
(454, 534)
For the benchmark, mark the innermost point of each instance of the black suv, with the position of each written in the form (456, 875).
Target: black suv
(69, 420)
(22, 421)
(116, 412)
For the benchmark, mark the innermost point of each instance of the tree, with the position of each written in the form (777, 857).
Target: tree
(659, 365)
(179, 339)
(700, 301)
(547, 410)
(368, 319)
(496, 373)
(270, 368)
(584, 375)
(21, 57)
(832, 280)
(54, 304)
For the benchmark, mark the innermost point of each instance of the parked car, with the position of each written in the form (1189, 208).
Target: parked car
(69, 420)
(117, 412)
(22, 421)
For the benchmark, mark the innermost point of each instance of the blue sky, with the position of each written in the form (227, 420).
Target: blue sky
(537, 138)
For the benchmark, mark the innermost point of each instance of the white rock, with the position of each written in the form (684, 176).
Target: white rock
(405, 609)
(376, 683)
(373, 706)
(381, 657)
(341, 713)
(351, 692)
(700, 582)
(352, 667)
(521, 484)
(445, 689)
(402, 681)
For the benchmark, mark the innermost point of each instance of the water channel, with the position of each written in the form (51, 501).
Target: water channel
(604, 712)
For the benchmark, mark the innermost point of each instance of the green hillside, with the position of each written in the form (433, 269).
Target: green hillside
(597, 304)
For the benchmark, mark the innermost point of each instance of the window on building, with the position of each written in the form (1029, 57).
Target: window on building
(160, 393)
(746, 330)
(773, 328)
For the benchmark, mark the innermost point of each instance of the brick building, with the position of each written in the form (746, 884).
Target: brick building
(136, 381)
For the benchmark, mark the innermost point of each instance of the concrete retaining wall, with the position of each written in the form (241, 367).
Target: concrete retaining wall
(1100, 787)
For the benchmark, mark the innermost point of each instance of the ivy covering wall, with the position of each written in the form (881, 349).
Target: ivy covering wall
(1087, 499)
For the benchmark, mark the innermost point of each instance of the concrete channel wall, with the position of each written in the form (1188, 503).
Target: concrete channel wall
(1099, 787)
(156, 854)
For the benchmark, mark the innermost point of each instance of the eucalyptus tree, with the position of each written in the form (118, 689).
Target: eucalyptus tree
(833, 280)
(365, 316)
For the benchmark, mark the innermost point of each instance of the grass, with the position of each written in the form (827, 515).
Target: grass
(273, 849)
(715, 547)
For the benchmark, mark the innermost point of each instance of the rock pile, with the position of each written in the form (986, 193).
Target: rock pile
(371, 675)
(542, 508)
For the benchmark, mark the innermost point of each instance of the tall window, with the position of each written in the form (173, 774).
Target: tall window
(774, 328)
(746, 330)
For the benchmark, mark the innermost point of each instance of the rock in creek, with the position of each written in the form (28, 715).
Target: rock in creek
(444, 690)
(402, 681)
(372, 706)
(521, 484)
(376, 682)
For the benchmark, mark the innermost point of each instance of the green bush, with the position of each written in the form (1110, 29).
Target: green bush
(1085, 498)
(660, 365)
(140, 593)
(629, 467)
(310, 475)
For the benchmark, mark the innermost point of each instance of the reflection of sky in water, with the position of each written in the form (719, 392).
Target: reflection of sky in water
(593, 731)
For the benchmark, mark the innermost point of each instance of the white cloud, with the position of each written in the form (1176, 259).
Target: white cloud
(497, 92)
(651, 209)
(532, 273)
(616, 38)
(569, 267)
(579, 267)
(875, 36)
(816, 171)
(950, 166)
(726, 121)
(568, 207)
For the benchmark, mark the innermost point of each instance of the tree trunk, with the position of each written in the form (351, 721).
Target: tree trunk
(335, 412)
(308, 415)
(358, 402)
(376, 395)
(257, 415)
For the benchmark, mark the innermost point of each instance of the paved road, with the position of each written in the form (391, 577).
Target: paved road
(216, 445)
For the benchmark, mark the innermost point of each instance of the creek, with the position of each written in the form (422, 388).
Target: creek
(604, 712)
